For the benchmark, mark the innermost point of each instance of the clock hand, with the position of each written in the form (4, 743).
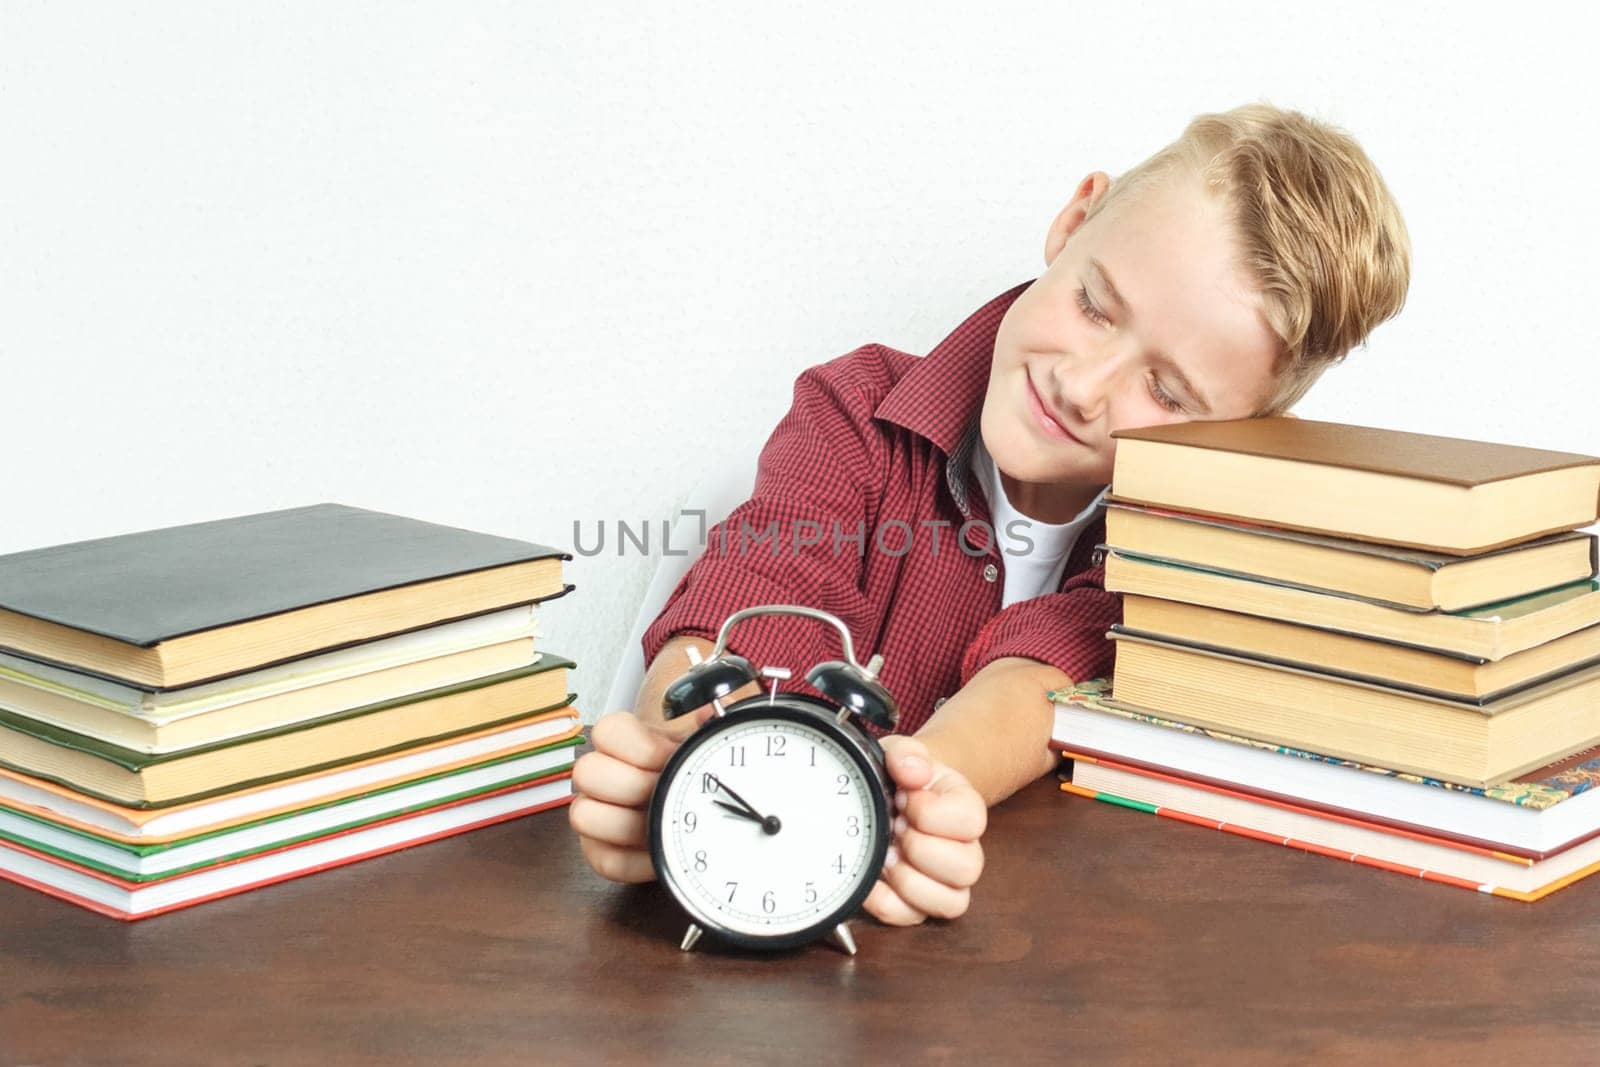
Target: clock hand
(770, 824)
(741, 801)
(743, 813)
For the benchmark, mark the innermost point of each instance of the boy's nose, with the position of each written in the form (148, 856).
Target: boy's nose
(1086, 385)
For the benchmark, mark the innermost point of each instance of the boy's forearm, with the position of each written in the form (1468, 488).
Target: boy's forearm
(996, 730)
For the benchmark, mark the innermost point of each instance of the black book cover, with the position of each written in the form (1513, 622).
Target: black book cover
(145, 588)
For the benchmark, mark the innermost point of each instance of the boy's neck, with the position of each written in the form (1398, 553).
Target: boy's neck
(1054, 504)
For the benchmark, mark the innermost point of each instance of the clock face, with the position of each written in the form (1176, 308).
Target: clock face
(768, 824)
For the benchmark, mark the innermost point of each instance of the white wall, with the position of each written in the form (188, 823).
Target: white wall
(508, 266)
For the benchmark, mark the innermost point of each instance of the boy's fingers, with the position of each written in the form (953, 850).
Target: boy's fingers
(923, 894)
(908, 761)
(957, 864)
(950, 807)
(623, 736)
(885, 905)
(609, 779)
(617, 864)
(613, 825)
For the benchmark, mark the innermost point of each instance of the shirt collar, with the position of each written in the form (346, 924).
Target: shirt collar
(941, 397)
(942, 394)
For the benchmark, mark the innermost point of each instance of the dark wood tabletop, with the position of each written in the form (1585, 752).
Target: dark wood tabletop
(1097, 934)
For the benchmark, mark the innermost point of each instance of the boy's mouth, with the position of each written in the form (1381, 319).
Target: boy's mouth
(1042, 415)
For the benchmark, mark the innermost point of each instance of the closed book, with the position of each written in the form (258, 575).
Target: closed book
(149, 862)
(62, 806)
(1461, 741)
(1346, 839)
(1369, 659)
(301, 692)
(1443, 494)
(1488, 632)
(1546, 811)
(1401, 577)
(141, 779)
(121, 898)
(178, 606)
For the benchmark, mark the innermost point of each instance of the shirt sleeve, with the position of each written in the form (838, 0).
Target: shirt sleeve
(793, 541)
(1066, 629)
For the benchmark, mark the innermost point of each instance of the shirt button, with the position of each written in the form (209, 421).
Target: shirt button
(937, 704)
(990, 572)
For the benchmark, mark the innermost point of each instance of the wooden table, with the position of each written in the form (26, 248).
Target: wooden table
(1096, 934)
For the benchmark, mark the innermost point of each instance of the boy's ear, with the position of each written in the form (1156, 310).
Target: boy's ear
(1088, 194)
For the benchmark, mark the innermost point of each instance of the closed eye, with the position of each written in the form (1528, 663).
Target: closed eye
(1089, 309)
(1162, 397)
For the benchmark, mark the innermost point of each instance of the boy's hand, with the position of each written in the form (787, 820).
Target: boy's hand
(934, 857)
(613, 786)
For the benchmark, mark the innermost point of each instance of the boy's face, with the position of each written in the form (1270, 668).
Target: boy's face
(1141, 317)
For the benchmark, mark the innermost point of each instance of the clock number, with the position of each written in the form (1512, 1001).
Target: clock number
(852, 826)
(813, 755)
(844, 785)
(811, 892)
(708, 783)
(838, 863)
(700, 860)
(690, 821)
(768, 904)
(775, 745)
(733, 887)
(736, 756)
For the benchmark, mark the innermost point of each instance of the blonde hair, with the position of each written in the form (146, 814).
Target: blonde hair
(1320, 233)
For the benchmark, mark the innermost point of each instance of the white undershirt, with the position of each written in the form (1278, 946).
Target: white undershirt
(1030, 571)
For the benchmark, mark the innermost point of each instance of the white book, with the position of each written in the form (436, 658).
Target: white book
(1424, 858)
(1428, 808)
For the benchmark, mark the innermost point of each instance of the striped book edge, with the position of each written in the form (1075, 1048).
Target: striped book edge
(1322, 850)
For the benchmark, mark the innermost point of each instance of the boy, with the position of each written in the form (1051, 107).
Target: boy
(1216, 280)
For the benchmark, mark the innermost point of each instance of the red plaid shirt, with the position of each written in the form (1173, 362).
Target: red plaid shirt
(878, 445)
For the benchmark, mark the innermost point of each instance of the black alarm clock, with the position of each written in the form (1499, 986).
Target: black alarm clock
(769, 824)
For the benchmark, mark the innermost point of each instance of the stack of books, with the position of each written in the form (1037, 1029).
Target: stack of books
(192, 712)
(1377, 645)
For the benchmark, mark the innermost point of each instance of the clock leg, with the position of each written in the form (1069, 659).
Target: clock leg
(690, 936)
(840, 938)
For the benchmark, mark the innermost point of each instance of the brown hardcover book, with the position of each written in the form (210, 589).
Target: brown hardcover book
(1406, 578)
(1442, 494)
(1456, 741)
(1386, 662)
(1486, 632)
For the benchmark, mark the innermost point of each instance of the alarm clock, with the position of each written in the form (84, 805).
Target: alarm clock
(770, 823)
